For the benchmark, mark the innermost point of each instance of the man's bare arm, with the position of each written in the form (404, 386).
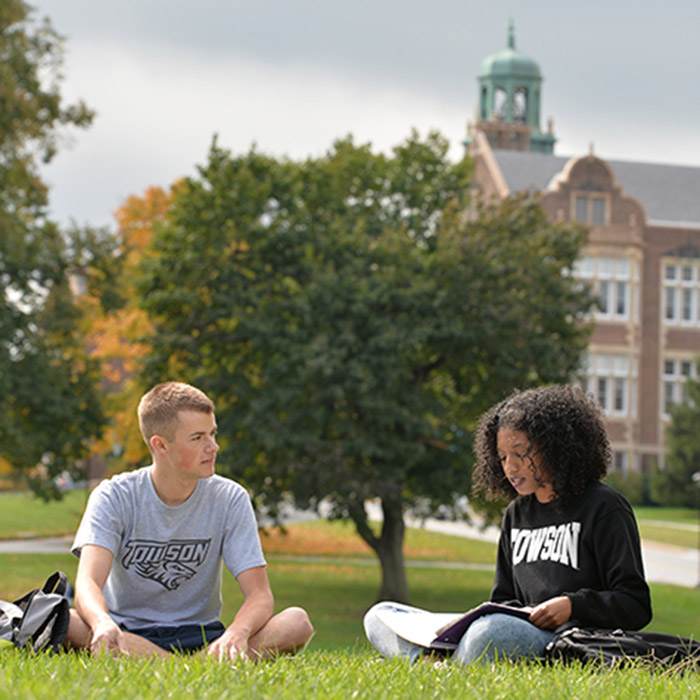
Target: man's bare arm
(256, 611)
(93, 570)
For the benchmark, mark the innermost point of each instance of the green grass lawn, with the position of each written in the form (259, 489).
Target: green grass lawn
(677, 537)
(676, 515)
(329, 675)
(677, 526)
(337, 585)
(23, 515)
(327, 568)
(337, 595)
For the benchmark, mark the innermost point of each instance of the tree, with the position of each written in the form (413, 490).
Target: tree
(351, 323)
(115, 328)
(674, 484)
(49, 408)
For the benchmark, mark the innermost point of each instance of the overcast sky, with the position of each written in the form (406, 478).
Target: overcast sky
(293, 75)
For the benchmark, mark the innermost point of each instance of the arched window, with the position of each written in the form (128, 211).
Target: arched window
(484, 102)
(520, 105)
(500, 103)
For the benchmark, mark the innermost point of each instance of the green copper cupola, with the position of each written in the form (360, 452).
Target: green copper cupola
(510, 86)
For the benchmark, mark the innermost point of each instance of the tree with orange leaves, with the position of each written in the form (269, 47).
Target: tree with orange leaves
(116, 329)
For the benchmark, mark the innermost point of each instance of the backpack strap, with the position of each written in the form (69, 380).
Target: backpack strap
(56, 583)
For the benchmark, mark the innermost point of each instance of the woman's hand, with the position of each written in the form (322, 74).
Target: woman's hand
(551, 613)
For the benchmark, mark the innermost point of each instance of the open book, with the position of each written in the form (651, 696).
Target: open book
(440, 630)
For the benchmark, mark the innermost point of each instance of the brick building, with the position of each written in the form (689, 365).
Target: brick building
(642, 256)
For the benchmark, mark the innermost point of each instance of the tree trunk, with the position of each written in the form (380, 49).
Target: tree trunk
(390, 552)
(388, 546)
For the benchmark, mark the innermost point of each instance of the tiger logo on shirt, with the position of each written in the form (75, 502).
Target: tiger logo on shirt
(168, 563)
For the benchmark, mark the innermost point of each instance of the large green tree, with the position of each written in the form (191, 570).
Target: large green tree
(675, 484)
(48, 405)
(352, 316)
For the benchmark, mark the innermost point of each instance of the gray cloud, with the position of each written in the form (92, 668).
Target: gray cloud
(291, 75)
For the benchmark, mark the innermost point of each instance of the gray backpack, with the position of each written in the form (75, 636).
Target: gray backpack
(39, 619)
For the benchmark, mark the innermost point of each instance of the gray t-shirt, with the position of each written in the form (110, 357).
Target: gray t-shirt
(168, 559)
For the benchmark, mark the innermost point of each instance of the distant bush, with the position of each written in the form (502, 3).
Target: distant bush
(634, 486)
(676, 483)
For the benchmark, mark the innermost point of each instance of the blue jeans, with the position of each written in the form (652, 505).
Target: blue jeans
(489, 637)
(501, 637)
(185, 638)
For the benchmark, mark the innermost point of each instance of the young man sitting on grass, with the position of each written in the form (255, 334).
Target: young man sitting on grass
(151, 545)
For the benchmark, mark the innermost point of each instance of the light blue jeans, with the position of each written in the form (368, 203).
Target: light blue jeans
(488, 638)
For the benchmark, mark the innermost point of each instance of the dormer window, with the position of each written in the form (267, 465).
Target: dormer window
(591, 209)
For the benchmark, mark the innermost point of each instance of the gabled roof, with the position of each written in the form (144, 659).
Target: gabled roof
(669, 193)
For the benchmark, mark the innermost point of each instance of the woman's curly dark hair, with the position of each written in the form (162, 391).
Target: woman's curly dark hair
(564, 423)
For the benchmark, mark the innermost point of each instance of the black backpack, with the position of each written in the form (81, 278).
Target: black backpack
(619, 647)
(39, 619)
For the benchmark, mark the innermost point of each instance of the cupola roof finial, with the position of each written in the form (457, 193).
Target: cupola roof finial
(511, 34)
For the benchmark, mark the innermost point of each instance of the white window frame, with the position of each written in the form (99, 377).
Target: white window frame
(680, 292)
(612, 379)
(615, 282)
(675, 371)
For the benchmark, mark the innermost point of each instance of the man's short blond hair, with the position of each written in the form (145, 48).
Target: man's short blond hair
(159, 407)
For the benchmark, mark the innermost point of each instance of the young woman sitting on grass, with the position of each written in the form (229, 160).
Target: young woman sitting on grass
(569, 549)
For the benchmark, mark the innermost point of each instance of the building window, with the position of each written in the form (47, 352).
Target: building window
(500, 103)
(681, 293)
(604, 297)
(612, 379)
(621, 462)
(484, 110)
(676, 373)
(586, 267)
(597, 211)
(670, 296)
(520, 105)
(591, 209)
(615, 283)
(687, 305)
(622, 292)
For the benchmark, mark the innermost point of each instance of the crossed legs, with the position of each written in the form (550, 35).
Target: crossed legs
(284, 633)
(488, 638)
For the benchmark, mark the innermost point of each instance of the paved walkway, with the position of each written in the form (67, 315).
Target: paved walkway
(42, 545)
(663, 563)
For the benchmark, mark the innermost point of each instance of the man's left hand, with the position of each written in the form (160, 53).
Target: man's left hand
(227, 648)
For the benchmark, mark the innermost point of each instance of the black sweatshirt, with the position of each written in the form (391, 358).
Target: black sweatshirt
(588, 551)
